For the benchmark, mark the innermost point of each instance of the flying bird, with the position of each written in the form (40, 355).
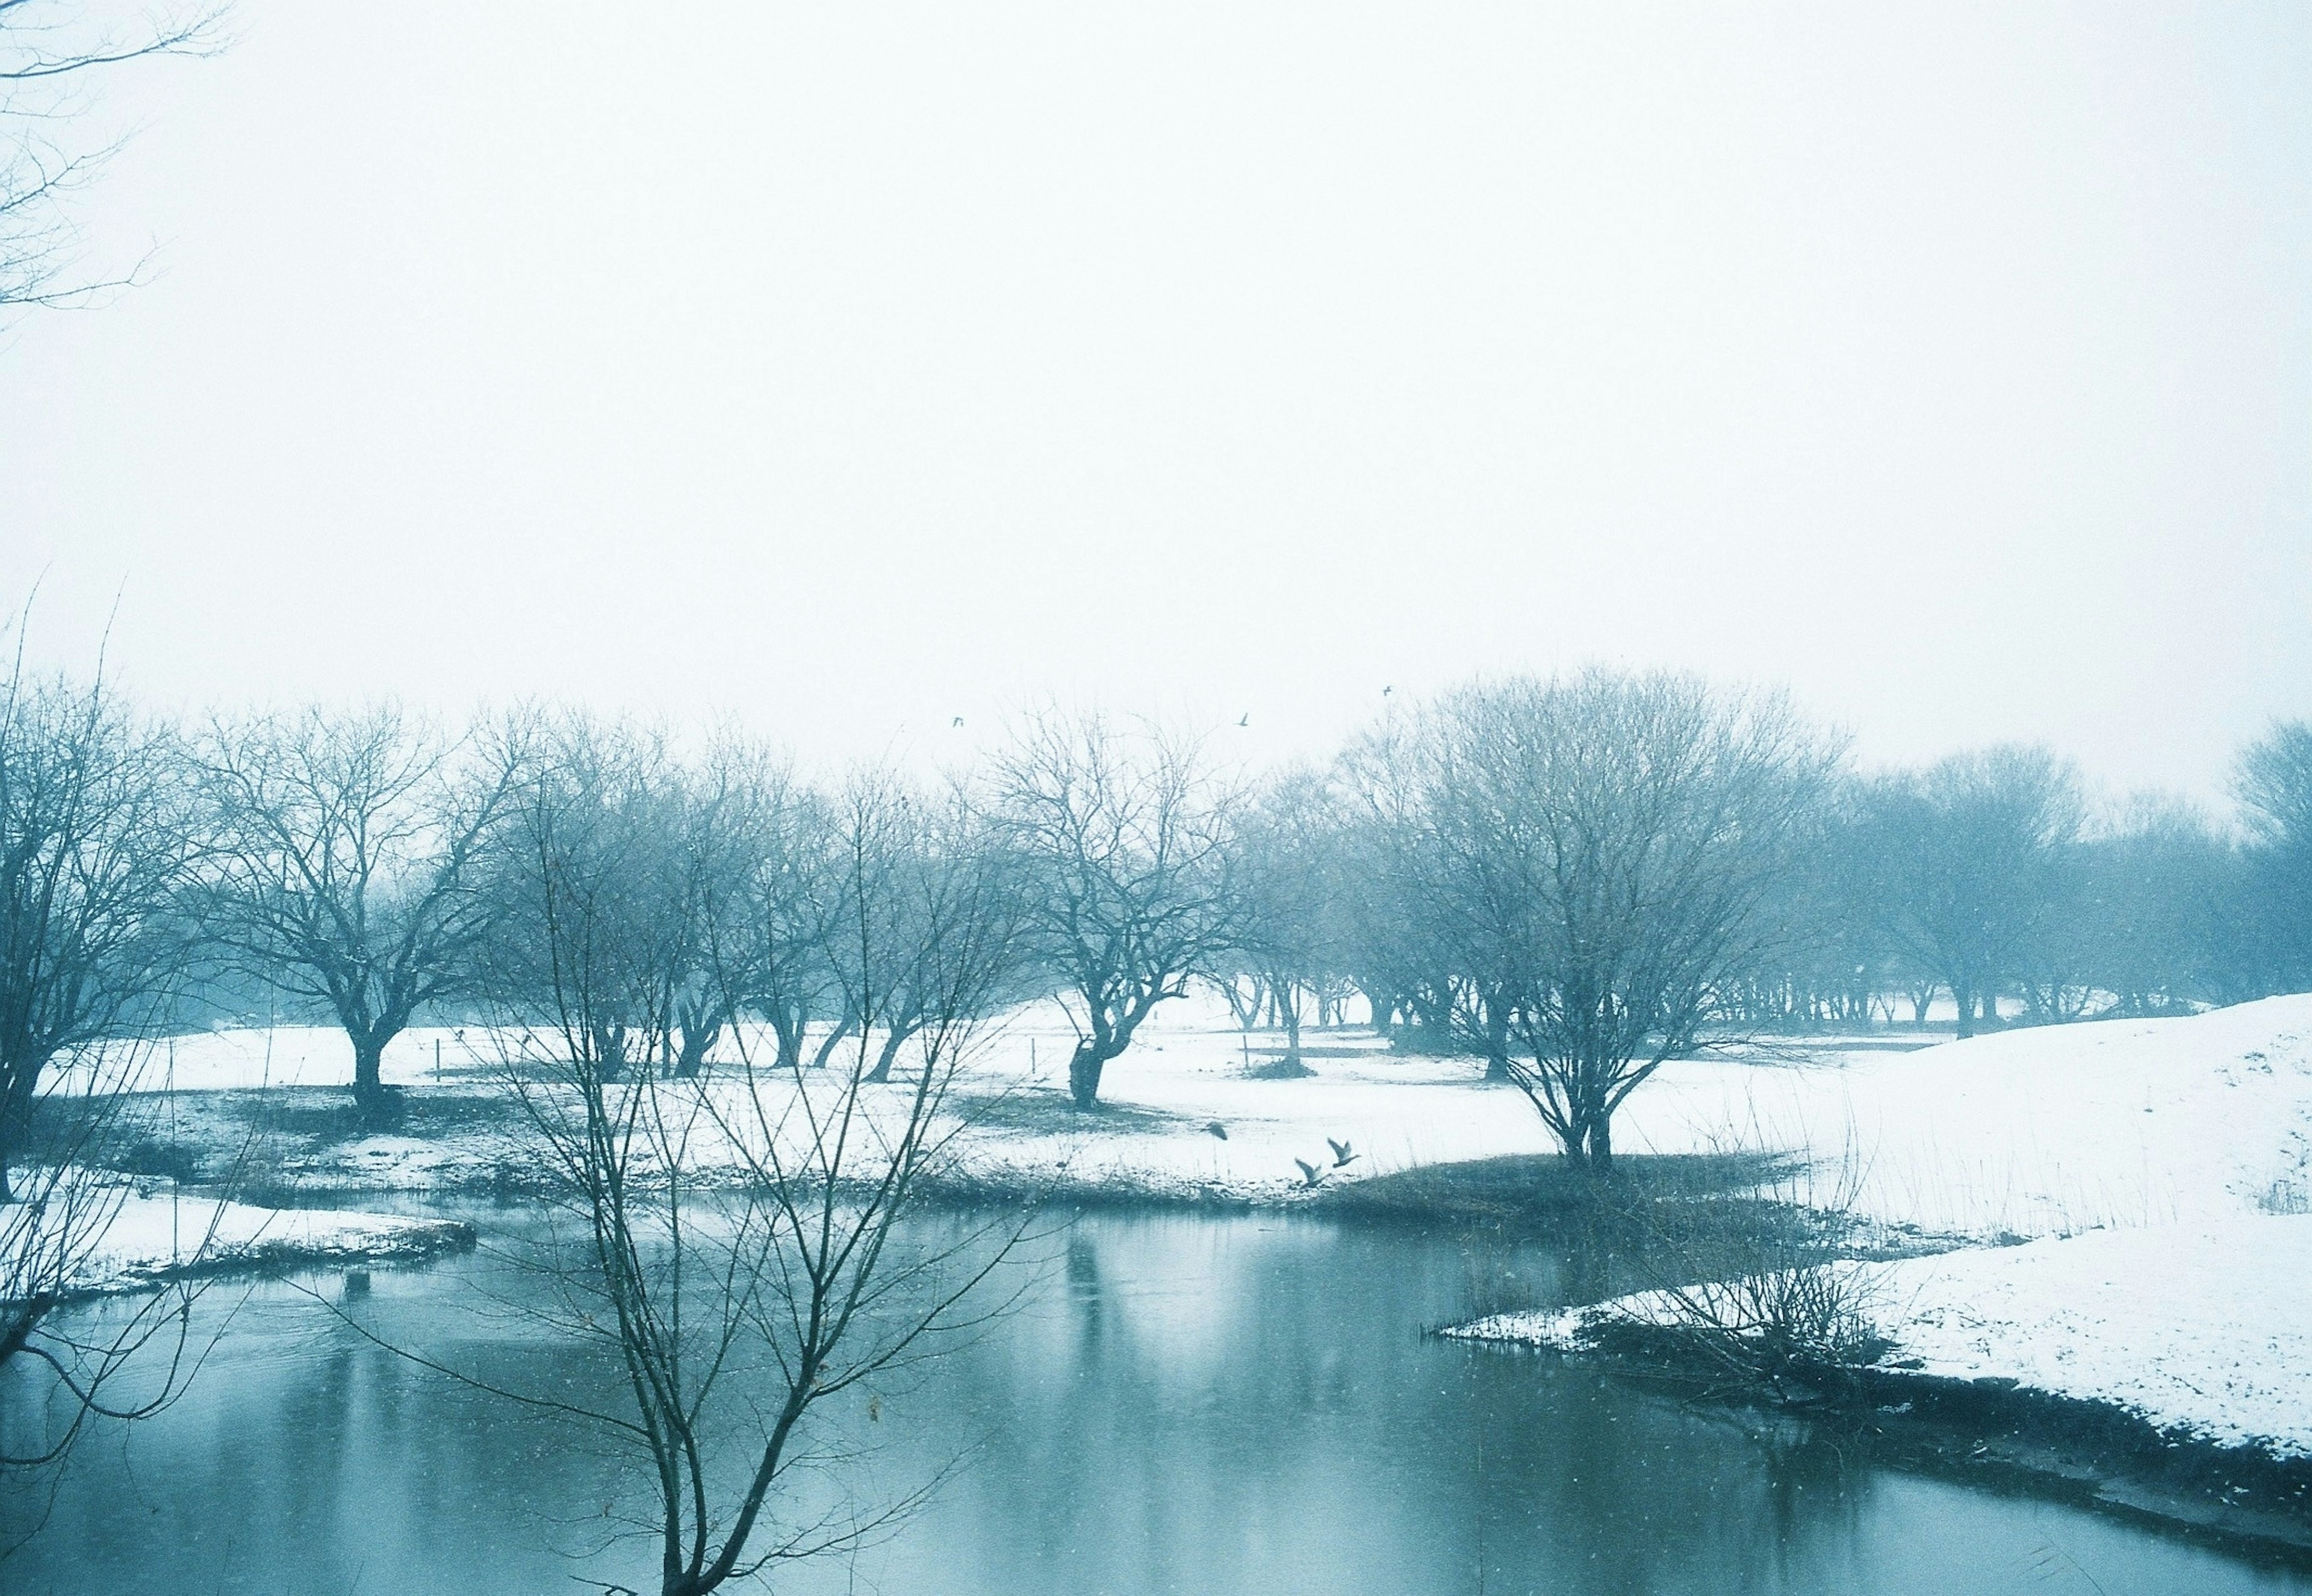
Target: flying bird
(1385, 691)
(1246, 720)
(1217, 1130)
(1309, 1173)
(1342, 1156)
(957, 721)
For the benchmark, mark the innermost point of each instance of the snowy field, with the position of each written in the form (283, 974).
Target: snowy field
(2202, 1330)
(2026, 1134)
(2175, 1155)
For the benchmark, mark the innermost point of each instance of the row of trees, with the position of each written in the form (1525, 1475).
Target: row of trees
(1983, 878)
(1574, 878)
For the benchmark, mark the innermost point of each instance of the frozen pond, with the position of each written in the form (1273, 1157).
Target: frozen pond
(1180, 1404)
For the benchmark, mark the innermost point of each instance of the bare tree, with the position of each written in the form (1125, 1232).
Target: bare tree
(344, 868)
(1616, 839)
(2273, 785)
(1401, 921)
(52, 58)
(732, 1316)
(778, 950)
(2165, 893)
(53, 1237)
(1976, 850)
(1291, 862)
(723, 811)
(1127, 840)
(598, 921)
(94, 844)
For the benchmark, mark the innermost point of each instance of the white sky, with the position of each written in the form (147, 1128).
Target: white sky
(853, 368)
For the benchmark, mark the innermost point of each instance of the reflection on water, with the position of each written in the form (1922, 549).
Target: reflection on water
(1178, 1405)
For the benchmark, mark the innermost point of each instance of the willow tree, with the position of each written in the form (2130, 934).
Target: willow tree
(1616, 841)
(1977, 854)
(1127, 838)
(732, 1307)
(344, 866)
(94, 846)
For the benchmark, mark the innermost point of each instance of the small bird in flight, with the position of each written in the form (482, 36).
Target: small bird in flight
(1341, 1157)
(1309, 1173)
(1217, 1130)
(957, 721)
(1247, 719)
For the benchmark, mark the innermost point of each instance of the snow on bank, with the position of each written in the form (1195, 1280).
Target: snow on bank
(2203, 1330)
(2047, 1131)
(2027, 1133)
(152, 1238)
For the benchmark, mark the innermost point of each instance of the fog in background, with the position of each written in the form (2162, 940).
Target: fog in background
(854, 371)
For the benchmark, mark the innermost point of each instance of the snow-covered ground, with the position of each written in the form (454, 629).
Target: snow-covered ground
(2202, 1330)
(2169, 1153)
(2043, 1132)
(152, 1238)
(2025, 1134)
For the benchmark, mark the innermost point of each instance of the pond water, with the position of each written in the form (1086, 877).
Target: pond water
(1177, 1403)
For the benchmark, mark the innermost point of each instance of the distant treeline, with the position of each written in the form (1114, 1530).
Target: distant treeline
(1574, 878)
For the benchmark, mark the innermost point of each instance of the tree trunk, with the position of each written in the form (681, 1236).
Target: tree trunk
(370, 1097)
(1084, 1067)
(1601, 1144)
(15, 1127)
(1290, 1004)
(1965, 999)
(788, 1027)
(1381, 1008)
(697, 1043)
(1497, 1042)
(832, 1040)
(889, 1053)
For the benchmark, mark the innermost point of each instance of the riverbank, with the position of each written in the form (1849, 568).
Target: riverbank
(2166, 1370)
(153, 1241)
(2141, 1157)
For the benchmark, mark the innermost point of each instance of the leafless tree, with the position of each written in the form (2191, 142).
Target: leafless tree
(1976, 850)
(52, 58)
(779, 950)
(1127, 841)
(2273, 785)
(344, 868)
(594, 839)
(94, 843)
(1436, 909)
(884, 925)
(1615, 839)
(53, 1236)
(1292, 883)
(2164, 896)
(732, 1313)
(722, 811)
(1398, 916)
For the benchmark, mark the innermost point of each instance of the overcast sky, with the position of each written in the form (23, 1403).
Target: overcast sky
(850, 369)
